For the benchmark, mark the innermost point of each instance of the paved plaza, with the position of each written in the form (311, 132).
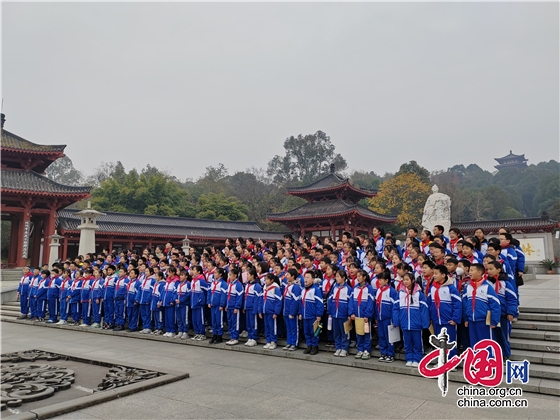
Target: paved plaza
(225, 384)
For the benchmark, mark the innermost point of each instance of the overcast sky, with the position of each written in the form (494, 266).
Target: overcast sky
(182, 86)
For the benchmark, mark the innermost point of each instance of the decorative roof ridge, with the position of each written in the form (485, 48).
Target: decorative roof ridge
(34, 147)
(109, 213)
(338, 178)
(348, 205)
(79, 189)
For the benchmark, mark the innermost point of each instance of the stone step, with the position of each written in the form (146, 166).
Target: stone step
(542, 378)
(536, 325)
(533, 309)
(10, 305)
(537, 345)
(536, 357)
(533, 316)
(6, 312)
(536, 335)
(10, 275)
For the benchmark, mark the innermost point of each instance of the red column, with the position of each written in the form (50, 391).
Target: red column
(64, 248)
(14, 233)
(110, 244)
(22, 250)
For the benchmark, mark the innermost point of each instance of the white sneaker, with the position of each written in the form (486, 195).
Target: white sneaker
(62, 322)
(95, 325)
(343, 353)
(194, 337)
(352, 344)
(414, 364)
(266, 346)
(184, 336)
(272, 346)
(232, 342)
(200, 337)
(251, 343)
(177, 336)
(359, 355)
(244, 334)
(409, 364)
(337, 353)
(84, 325)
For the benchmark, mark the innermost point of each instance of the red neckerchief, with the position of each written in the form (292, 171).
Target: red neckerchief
(118, 280)
(197, 278)
(360, 293)
(425, 243)
(286, 290)
(475, 285)
(437, 300)
(337, 296)
(409, 294)
(353, 281)
(130, 281)
(229, 289)
(380, 296)
(94, 283)
(64, 283)
(375, 239)
(497, 285)
(179, 288)
(440, 262)
(453, 244)
(214, 287)
(428, 283)
(248, 289)
(209, 273)
(328, 286)
(268, 290)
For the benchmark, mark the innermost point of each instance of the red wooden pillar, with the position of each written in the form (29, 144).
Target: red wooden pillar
(14, 233)
(130, 243)
(64, 248)
(23, 237)
(110, 244)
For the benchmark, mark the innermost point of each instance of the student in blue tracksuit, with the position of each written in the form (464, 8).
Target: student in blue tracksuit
(234, 301)
(479, 298)
(252, 296)
(42, 289)
(33, 288)
(132, 308)
(144, 299)
(338, 308)
(361, 306)
(97, 290)
(411, 313)
(168, 302)
(65, 296)
(291, 296)
(85, 297)
(109, 298)
(75, 295)
(494, 249)
(217, 302)
(121, 287)
(270, 308)
(444, 302)
(23, 292)
(310, 310)
(199, 289)
(182, 301)
(155, 307)
(383, 313)
(53, 296)
(511, 255)
(508, 304)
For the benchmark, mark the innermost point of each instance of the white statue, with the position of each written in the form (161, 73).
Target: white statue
(437, 211)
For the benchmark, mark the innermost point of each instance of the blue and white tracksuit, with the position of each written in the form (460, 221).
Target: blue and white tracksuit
(291, 297)
(252, 296)
(311, 307)
(42, 289)
(217, 301)
(33, 288)
(85, 299)
(75, 295)
(157, 311)
(361, 306)
(65, 294)
(199, 288)
(183, 296)
(450, 309)
(338, 308)
(168, 305)
(23, 290)
(411, 314)
(53, 298)
(121, 285)
(132, 308)
(97, 290)
(109, 299)
(475, 311)
(270, 305)
(385, 297)
(144, 299)
(508, 306)
(234, 300)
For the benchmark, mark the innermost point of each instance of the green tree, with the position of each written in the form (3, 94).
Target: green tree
(220, 207)
(62, 171)
(412, 167)
(305, 159)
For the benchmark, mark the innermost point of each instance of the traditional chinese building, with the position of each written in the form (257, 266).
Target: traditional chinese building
(511, 161)
(30, 201)
(332, 208)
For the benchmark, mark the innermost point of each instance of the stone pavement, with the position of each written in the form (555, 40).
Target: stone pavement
(543, 292)
(226, 384)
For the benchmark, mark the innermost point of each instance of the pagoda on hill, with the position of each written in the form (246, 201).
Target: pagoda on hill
(331, 209)
(511, 161)
(31, 201)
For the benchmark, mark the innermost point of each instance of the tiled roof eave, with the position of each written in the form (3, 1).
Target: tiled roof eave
(334, 188)
(33, 152)
(287, 217)
(49, 194)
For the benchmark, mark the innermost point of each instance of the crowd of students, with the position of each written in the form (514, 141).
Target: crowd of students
(346, 291)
